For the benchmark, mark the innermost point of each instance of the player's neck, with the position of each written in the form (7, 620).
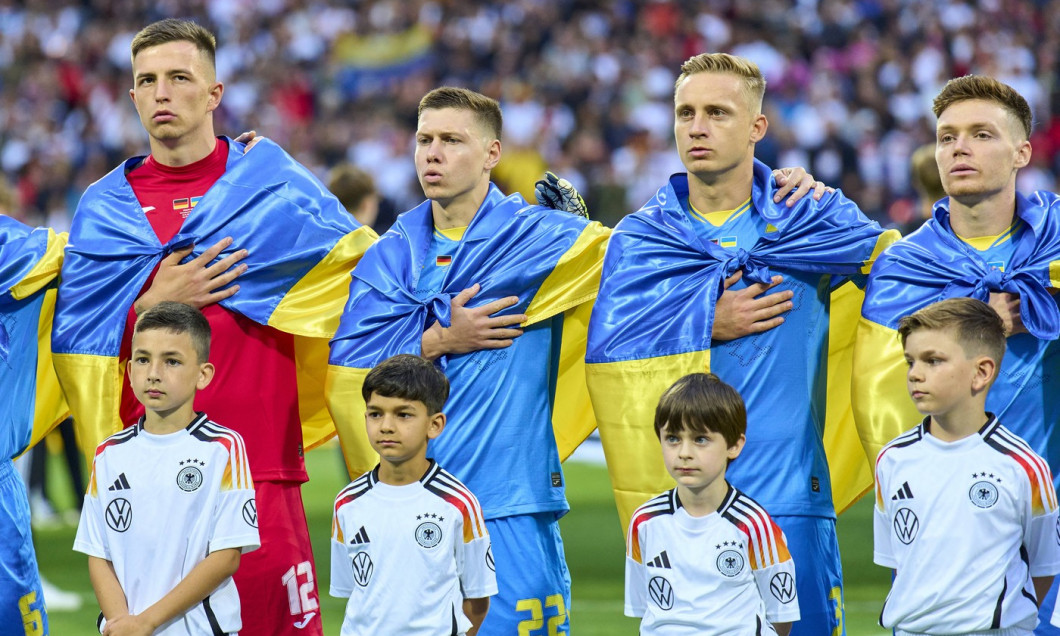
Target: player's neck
(184, 151)
(723, 191)
(166, 422)
(987, 216)
(700, 502)
(958, 423)
(403, 473)
(458, 211)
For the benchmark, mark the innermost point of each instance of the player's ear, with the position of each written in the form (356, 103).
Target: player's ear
(736, 448)
(436, 425)
(206, 371)
(985, 372)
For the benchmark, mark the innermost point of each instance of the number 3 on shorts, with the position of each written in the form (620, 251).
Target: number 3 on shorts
(32, 621)
(537, 615)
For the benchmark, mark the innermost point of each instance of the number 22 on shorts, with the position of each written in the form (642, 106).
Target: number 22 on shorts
(537, 615)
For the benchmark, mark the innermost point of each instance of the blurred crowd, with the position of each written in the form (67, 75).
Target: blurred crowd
(586, 86)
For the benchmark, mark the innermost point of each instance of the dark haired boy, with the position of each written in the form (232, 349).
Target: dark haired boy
(966, 512)
(704, 558)
(170, 505)
(409, 543)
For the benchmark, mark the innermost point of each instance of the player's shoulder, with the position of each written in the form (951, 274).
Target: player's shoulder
(444, 485)
(743, 511)
(901, 444)
(659, 506)
(1015, 450)
(205, 430)
(122, 437)
(355, 489)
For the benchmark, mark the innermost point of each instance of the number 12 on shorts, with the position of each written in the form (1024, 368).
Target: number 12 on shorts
(537, 616)
(300, 595)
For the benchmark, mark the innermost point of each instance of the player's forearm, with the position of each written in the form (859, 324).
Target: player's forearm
(475, 609)
(432, 342)
(783, 629)
(107, 588)
(1041, 586)
(197, 585)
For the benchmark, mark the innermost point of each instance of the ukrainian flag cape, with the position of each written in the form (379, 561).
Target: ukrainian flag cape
(639, 343)
(301, 247)
(33, 404)
(930, 265)
(550, 259)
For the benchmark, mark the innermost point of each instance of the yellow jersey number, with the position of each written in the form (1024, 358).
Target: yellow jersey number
(537, 615)
(32, 621)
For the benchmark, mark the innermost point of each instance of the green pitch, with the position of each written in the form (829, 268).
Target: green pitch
(591, 533)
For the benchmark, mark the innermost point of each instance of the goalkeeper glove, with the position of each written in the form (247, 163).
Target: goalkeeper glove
(559, 194)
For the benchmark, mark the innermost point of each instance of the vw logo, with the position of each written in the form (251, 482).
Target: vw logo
(661, 592)
(119, 515)
(906, 525)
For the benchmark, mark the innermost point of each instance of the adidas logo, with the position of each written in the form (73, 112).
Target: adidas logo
(661, 561)
(121, 483)
(360, 538)
(903, 493)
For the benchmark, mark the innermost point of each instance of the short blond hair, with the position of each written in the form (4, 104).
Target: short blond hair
(987, 89)
(754, 82)
(486, 109)
(974, 325)
(924, 170)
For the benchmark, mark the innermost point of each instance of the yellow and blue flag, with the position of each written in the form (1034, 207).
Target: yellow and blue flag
(30, 260)
(653, 320)
(301, 244)
(551, 260)
(933, 264)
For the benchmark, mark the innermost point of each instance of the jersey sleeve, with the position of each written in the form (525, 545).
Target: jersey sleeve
(341, 567)
(474, 556)
(91, 538)
(636, 573)
(1042, 538)
(235, 523)
(774, 573)
(881, 525)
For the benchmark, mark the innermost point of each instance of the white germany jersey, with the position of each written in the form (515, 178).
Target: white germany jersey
(157, 505)
(408, 556)
(728, 572)
(965, 525)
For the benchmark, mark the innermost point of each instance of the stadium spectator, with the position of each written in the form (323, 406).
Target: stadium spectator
(332, 80)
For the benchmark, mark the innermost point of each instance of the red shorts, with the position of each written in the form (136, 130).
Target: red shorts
(277, 583)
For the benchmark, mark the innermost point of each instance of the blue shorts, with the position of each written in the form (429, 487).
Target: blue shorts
(21, 597)
(818, 575)
(532, 578)
(1045, 612)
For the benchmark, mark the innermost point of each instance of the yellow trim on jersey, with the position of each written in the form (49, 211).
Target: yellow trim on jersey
(453, 233)
(576, 277)
(313, 306)
(624, 397)
(983, 243)
(343, 390)
(311, 366)
(882, 242)
(850, 470)
(572, 412)
(50, 407)
(96, 403)
(45, 270)
(720, 217)
(882, 407)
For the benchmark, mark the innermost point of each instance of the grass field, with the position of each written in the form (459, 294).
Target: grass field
(591, 534)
